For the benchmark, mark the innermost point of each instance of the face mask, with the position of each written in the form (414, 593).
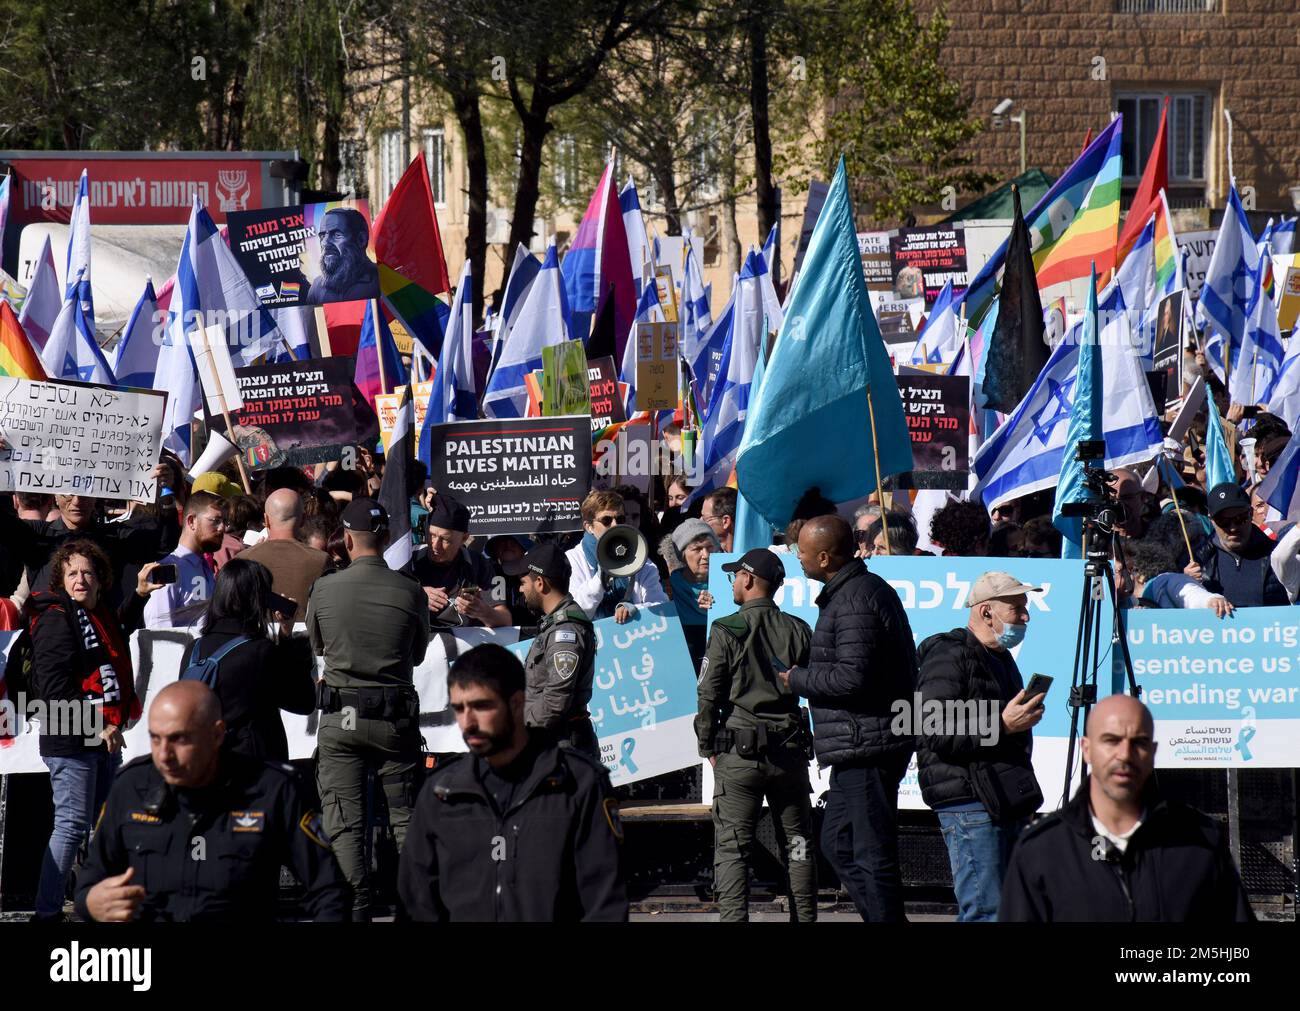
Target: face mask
(1012, 636)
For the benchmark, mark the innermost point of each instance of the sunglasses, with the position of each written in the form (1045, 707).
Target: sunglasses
(605, 521)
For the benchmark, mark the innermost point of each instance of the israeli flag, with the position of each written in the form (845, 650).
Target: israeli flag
(136, 360)
(78, 265)
(453, 397)
(543, 320)
(72, 351)
(1228, 293)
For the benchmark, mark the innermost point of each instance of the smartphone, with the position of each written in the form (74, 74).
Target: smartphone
(163, 574)
(1039, 684)
(282, 605)
(778, 665)
(469, 590)
(1250, 411)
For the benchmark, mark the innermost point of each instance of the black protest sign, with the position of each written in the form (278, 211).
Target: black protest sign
(925, 259)
(268, 245)
(606, 404)
(518, 475)
(937, 409)
(299, 413)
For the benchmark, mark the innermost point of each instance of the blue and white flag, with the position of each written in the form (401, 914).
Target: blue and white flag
(696, 315)
(453, 397)
(1255, 370)
(752, 529)
(1281, 485)
(1227, 295)
(1284, 237)
(543, 320)
(44, 299)
(1284, 399)
(1026, 453)
(77, 271)
(1085, 425)
(638, 245)
(647, 311)
(72, 351)
(757, 264)
(940, 335)
(770, 244)
(705, 358)
(136, 359)
(296, 323)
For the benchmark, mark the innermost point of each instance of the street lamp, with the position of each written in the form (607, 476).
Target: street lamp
(1000, 110)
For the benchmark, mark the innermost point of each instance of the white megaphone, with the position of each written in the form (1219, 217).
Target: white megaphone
(621, 551)
(218, 450)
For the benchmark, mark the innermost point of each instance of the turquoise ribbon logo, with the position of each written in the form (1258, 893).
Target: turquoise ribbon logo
(625, 754)
(1244, 736)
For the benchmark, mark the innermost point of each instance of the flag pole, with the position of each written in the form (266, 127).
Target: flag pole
(379, 344)
(875, 453)
(225, 414)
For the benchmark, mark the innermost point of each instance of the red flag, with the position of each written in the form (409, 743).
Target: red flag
(1155, 177)
(406, 236)
(1087, 139)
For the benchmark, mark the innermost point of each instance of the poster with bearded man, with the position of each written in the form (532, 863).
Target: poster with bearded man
(309, 255)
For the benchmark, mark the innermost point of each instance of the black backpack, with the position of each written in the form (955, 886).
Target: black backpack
(203, 670)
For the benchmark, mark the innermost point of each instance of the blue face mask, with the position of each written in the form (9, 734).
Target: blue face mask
(1012, 636)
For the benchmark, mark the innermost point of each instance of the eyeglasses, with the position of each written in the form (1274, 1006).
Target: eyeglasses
(605, 521)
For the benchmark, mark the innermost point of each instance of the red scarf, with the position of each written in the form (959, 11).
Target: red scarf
(110, 677)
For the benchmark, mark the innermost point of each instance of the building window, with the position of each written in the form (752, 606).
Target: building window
(390, 163)
(566, 166)
(435, 154)
(1166, 6)
(1189, 133)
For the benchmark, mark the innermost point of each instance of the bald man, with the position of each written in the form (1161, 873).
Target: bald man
(1119, 851)
(191, 833)
(294, 565)
(863, 659)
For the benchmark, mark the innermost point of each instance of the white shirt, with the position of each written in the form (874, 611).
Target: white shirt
(181, 604)
(588, 590)
(1120, 842)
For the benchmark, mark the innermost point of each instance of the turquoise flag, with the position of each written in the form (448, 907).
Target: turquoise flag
(811, 427)
(1218, 461)
(752, 530)
(1085, 424)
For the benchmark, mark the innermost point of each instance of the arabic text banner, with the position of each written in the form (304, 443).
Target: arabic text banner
(643, 699)
(68, 438)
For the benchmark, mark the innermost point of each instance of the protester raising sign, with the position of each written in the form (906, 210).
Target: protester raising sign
(68, 438)
(517, 476)
(606, 401)
(937, 409)
(298, 413)
(925, 259)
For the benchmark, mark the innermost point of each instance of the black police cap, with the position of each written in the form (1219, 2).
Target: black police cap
(759, 562)
(365, 515)
(545, 560)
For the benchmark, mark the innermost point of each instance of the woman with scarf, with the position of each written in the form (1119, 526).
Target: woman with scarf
(693, 542)
(597, 593)
(81, 672)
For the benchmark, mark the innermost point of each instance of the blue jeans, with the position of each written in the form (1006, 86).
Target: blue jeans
(978, 851)
(860, 835)
(80, 786)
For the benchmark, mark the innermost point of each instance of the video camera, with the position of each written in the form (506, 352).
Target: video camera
(1102, 511)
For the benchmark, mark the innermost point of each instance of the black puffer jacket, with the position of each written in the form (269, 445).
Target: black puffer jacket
(863, 659)
(957, 666)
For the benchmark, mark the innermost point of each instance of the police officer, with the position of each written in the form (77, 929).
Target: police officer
(371, 625)
(752, 731)
(561, 661)
(198, 834)
(518, 830)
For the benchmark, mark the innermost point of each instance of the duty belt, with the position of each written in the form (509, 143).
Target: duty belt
(373, 702)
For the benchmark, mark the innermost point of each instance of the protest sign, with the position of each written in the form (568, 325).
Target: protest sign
(516, 476)
(313, 254)
(877, 266)
(1289, 304)
(937, 409)
(69, 438)
(656, 366)
(297, 413)
(1196, 249)
(666, 292)
(643, 699)
(216, 370)
(1167, 356)
(566, 390)
(387, 405)
(606, 400)
(925, 259)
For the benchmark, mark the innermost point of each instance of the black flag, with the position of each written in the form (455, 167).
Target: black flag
(603, 340)
(394, 490)
(1017, 351)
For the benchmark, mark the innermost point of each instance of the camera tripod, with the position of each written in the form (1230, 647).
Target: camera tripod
(1087, 647)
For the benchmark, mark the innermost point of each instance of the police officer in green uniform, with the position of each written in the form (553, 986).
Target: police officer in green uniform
(561, 661)
(200, 834)
(753, 732)
(371, 625)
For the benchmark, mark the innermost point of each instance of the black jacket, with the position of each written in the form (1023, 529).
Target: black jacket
(254, 682)
(128, 544)
(863, 659)
(1177, 868)
(1248, 579)
(957, 666)
(251, 820)
(552, 856)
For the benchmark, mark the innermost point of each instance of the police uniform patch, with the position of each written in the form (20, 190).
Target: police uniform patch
(311, 827)
(565, 663)
(247, 821)
(141, 817)
(610, 806)
(566, 636)
(704, 669)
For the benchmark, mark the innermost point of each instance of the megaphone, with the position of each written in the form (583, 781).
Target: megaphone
(621, 551)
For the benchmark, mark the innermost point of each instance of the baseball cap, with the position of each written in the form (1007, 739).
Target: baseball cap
(216, 484)
(365, 515)
(1227, 495)
(759, 562)
(996, 586)
(545, 560)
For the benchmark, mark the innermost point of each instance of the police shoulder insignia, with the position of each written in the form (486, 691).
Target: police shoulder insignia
(565, 663)
(704, 669)
(247, 821)
(610, 806)
(311, 827)
(566, 636)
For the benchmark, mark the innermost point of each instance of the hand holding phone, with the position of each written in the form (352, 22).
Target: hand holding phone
(163, 574)
(1039, 684)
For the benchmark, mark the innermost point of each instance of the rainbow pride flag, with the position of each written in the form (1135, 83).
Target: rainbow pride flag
(18, 359)
(1166, 248)
(1092, 235)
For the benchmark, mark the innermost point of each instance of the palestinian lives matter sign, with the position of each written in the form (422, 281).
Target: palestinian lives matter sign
(68, 438)
(516, 475)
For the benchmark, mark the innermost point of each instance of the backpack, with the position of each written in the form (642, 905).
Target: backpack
(203, 670)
